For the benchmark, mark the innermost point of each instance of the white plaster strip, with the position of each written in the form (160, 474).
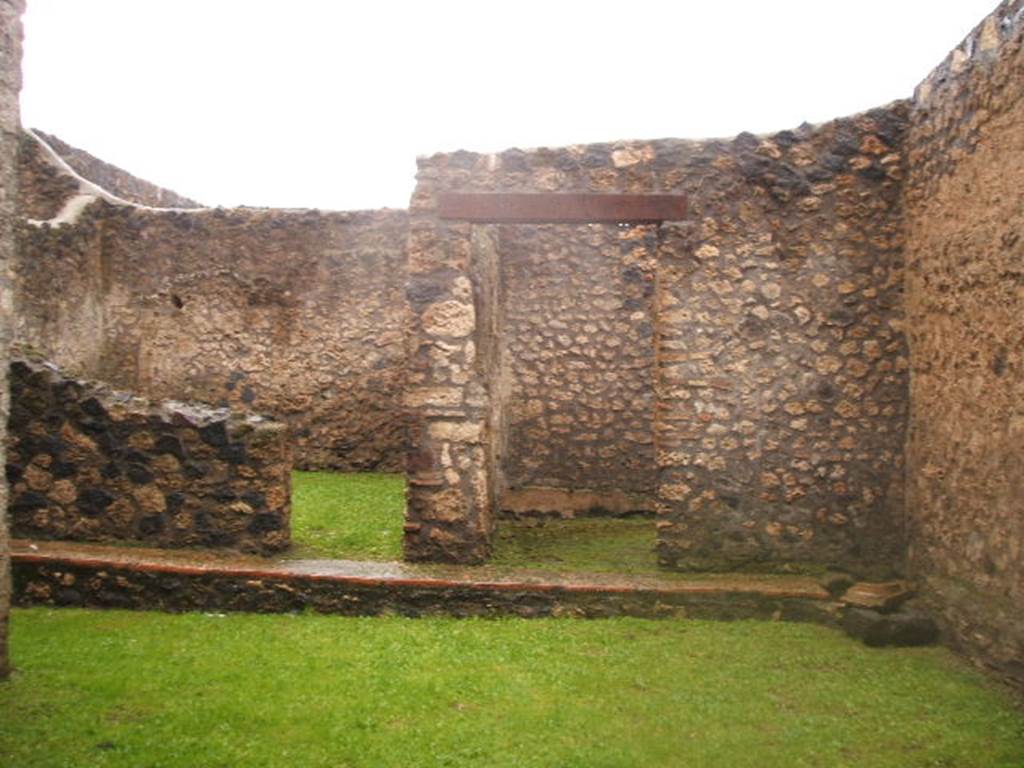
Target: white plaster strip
(88, 192)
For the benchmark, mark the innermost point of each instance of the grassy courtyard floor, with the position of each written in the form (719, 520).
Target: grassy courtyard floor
(347, 516)
(360, 516)
(584, 544)
(144, 689)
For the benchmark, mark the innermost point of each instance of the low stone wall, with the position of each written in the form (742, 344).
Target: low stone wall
(965, 312)
(89, 464)
(94, 576)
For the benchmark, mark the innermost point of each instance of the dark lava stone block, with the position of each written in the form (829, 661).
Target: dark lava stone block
(900, 629)
(170, 444)
(215, 434)
(93, 501)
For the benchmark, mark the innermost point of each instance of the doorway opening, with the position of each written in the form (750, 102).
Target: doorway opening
(347, 516)
(577, 471)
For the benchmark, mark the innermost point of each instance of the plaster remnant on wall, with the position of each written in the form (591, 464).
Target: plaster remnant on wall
(86, 194)
(114, 180)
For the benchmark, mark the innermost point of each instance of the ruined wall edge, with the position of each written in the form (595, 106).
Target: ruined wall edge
(10, 85)
(965, 321)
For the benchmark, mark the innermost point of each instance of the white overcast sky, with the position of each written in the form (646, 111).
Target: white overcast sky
(326, 103)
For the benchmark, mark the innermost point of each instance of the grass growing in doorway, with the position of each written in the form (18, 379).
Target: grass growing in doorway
(360, 517)
(347, 516)
(596, 544)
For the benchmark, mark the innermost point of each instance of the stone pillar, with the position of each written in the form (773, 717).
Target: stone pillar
(10, 85)
(453, 397)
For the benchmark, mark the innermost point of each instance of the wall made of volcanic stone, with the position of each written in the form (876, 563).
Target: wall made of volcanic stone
(10, 86)
(775, 362)
(578, 338)
(782, 361)
(457, 386)
(89, 464)
(965, 320)
(296, 314)
(115, 180)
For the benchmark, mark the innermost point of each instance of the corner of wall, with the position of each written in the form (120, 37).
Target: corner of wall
(10, 85)
(964, 297)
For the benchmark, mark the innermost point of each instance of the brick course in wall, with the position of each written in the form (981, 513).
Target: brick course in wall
(965, 320)
(89, 464)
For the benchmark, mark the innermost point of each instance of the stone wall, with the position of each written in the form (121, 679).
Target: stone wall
(782, 384)
(578, 333)
(292, 313)
(965, 319)
(769, 322)
(457, 383)
(10, 85)
(89, 464)
(114, 180)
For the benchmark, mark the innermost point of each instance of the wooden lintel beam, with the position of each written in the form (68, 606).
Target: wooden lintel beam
(554, 207)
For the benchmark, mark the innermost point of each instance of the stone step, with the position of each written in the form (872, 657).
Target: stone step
(94, 575)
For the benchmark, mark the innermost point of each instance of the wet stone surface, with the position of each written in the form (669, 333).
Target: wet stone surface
(964, 306)
(59, 573)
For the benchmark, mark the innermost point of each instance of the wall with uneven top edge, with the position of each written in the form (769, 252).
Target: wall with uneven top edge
(292, 313)
(10, 86)
(965, 325)
(116, 181)
(86, 463)
(741, 371)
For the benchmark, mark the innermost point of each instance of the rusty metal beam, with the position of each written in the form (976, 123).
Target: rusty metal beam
(545, 208)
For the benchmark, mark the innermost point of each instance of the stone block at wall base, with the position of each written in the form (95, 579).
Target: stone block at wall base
(436, 543)
(897, 629)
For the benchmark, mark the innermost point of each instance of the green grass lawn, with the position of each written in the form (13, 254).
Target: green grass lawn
(585, 544)
(347, 516)
(151, 690)
(360, 516)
